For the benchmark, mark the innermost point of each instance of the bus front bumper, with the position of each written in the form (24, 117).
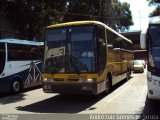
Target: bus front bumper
(72, 88)
(153, 91)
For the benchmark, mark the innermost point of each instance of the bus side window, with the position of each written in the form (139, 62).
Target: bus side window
(34, 52)
(101, 49)
(118, 42)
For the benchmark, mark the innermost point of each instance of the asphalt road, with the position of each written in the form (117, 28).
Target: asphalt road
(128, 97)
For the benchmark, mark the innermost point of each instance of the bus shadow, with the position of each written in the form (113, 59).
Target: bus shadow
(32, 88)
(151, 107)
(12, 98)
(63, 104)
(6, 98)
(66, 103)
(120, 84)
(7, 94)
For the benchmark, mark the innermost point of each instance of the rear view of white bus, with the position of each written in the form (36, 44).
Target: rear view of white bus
(150, 40)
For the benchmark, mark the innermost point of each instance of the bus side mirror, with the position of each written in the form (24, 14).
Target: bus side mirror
(143, 39)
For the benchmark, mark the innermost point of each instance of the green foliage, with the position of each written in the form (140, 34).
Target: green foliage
(30, 17)
(156, 11)
(125, 17)
(154, 2)
(115, 14)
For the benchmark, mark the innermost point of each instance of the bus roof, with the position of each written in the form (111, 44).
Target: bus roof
(87, 22)
(155, 20)
(18, 41)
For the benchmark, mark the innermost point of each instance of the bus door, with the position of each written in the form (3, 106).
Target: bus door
(2, 57)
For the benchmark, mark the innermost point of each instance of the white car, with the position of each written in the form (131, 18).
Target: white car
(138, 66)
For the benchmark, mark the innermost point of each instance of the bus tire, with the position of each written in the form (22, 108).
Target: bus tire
(108, 84)
(16, 86)
(128, 76)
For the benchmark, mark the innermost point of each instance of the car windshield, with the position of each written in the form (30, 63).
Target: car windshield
(70, 50)
(138, 62)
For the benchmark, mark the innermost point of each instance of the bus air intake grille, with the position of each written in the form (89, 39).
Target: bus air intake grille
(58, 79)
(73, 80)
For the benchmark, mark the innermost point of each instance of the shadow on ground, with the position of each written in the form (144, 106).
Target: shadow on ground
(63, 104)
(66, 103)
(7, 98)
(12, 98)
(151, 107)
(151, 110)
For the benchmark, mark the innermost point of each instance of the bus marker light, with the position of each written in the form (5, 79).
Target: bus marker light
(150, 91)
(89, 80)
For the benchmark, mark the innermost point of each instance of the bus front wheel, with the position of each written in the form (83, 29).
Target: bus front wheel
(128, 76)
(108, 84)
(16, 86)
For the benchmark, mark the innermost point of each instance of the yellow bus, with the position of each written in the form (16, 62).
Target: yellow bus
(85, 57)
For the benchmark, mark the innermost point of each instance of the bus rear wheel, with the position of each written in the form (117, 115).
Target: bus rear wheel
(128, 76)
(16, 86)
(108, 85)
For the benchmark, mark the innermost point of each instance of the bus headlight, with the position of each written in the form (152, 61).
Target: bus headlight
(48, 79)
(87, 80)
(45, 79)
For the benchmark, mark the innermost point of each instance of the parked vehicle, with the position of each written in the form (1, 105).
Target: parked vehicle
(20, 64)
(85, 57)
(150, 41)
(138, 66)
(144, 63)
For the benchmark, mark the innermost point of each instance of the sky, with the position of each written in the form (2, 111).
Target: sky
(140, 12)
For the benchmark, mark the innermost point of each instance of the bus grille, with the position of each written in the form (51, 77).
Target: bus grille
(58, 79)
(73, 80)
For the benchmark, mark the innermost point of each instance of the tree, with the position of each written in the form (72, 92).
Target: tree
(156, 11)
(112, 12)
(30, 17)
(125, 17)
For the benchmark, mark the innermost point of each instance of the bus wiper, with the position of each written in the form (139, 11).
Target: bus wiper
(53, 71)
(74, 65)
(51, 68)
(76, 69)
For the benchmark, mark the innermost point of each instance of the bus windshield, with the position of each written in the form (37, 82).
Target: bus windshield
(2, 57)
(155, 43)
(70, 50)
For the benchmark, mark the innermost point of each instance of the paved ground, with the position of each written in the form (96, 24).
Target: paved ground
(128, 97)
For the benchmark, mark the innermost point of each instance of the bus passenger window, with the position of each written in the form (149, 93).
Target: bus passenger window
(118, 42)
(101, 48)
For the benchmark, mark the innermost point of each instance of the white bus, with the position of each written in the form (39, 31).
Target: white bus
(150, 40)
(20, 64)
